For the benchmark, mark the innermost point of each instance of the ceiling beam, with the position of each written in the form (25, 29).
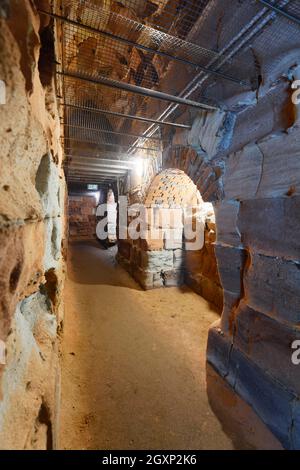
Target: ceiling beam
(103, 144)
(106, 131)
(81, 164)
(81, 158)
(280, 11)
(148, 92)
(96, 171)
(127, 116)
(91, 180)
(88, 177)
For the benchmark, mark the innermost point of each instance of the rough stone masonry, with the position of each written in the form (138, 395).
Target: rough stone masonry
(32, 200)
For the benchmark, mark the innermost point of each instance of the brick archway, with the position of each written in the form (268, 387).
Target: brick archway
(205, 174)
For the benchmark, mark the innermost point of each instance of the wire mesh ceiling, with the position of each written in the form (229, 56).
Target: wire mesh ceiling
(291, 10)
(109, 45)
(108, 40)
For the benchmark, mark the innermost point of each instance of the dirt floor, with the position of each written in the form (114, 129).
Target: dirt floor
(133, 361)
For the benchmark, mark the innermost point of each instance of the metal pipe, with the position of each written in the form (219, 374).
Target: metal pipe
(103, 144)
(139, 90)
(97, 155)
(99, 159)
(87, 170)
(90, 181)
(94, 174)
(114, 155)
(280, 11)
(145, 48)
(127, 116)
(98, 178)
(105, 131)
(198, 80)
(75, 163)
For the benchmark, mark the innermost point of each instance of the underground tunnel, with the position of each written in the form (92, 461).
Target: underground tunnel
(149, 225)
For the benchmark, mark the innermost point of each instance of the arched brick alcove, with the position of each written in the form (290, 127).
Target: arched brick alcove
(163, 256)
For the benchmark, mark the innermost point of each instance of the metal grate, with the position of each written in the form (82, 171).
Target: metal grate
(175, 17)
(107, 46)
(290, 12)
(133, 51)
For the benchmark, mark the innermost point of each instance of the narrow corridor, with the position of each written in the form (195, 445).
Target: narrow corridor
(133, 372)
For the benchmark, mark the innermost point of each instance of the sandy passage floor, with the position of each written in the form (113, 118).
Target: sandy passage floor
(133, 372)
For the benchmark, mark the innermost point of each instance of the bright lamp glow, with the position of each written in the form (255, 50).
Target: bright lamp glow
(139, 166)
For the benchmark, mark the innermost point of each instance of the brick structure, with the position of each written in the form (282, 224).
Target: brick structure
(82, 217)
(163, 256)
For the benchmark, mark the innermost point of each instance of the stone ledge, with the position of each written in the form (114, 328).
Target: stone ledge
(270, 400)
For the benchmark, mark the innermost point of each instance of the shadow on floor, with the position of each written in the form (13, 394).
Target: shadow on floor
(133, 366)
(89, 262)
(239, 421)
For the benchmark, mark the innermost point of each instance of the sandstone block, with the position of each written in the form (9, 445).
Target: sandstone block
(242, 173)
(173, 239)
(231, 263)
(268, 343)
(21, 269)
(172, 278)
(271, 401)
(218, 349)
(158, 280)
(152, 240)
(53, 239)
(230, 303)
(281, 168)
(237, 417)
(227, 223)
(124, 249)
(268, 398)
(213, 134)
(32, 368)
(156, 261)
(47, 184)
(135, 257)
(179, 258)
(269, 226)
(144, 278)
(272, 286)
(205, 287)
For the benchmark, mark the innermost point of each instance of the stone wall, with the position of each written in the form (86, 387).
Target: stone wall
(255, 195)
(32, 201)
(82, 217)
(247, 165)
